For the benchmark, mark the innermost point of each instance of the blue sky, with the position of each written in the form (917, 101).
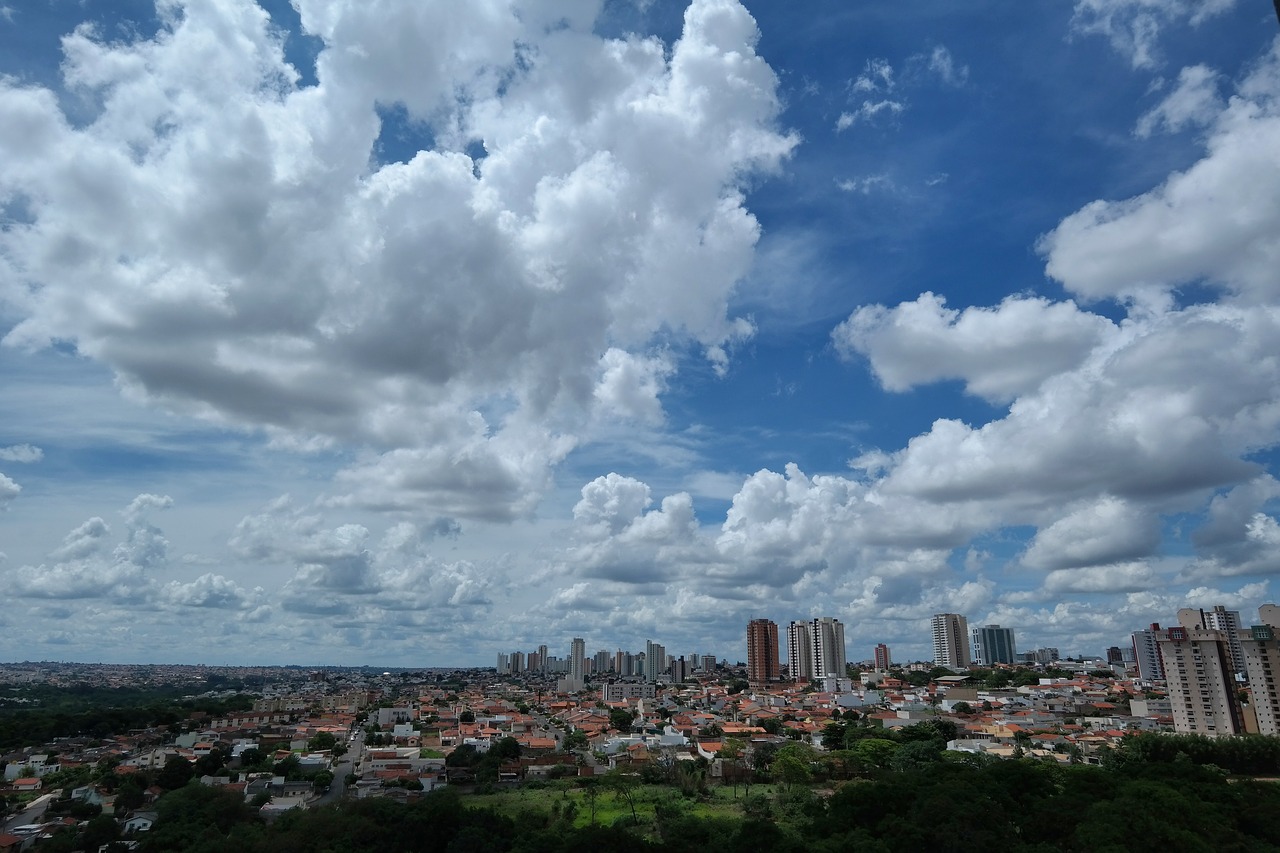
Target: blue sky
(397, 333)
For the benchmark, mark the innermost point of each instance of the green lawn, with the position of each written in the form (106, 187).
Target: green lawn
(609, 808)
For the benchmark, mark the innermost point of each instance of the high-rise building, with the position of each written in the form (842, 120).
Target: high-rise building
(542, 656)
(577, 659)
(680, 669)
(763, 665)
(993, 644)
(708, 663)
(829, 658)
(601, 661)
(504, 664)
(655, 660)
(1261, 646)
(881, 656)
(1146, 651)
(799, 651)
(1228, 622)
(517, 662)
(1198, 672)
(950, 640)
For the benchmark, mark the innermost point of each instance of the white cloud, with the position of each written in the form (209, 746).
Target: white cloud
(630, 385)
(1119, 577)
(8, 491)
(1134, 26)
(1217, 222)
(1096, 533)
(998, 352)
(21, 453)
(209, 590)
(1193, 102)
(869, 112)
(86, 540)
(944, 65)
(876, 77)
(252, 267)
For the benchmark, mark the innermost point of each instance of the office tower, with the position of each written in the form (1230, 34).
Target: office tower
(799, 651)
(655, 660)
(1228, 622)
(1261, 647)
(680, 670)
(993, 644)
(763, 665)
(577, 660)
(828, 648)
(950, 640)
(542, 657)
(1198, 671)
(881, 656)
(1146, 651)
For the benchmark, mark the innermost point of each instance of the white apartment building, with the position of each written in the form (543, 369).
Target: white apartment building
(1261, 649)
(1200, 677)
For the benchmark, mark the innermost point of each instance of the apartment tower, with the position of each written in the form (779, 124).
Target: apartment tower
(1261, 647)
(1200, 677)
(799, 651)
(763, 665)
(950, 640)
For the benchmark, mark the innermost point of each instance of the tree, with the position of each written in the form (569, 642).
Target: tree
(466, 717)
(576, 739)
(621, 719)
(321, 781)
(506, 749)
(177, 771)
(322, 741)
(99, 831)
(624, 787)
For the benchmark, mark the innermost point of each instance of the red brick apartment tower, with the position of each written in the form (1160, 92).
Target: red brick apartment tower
(763, 665)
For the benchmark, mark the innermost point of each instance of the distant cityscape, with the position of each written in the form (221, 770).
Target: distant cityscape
(1216, 676)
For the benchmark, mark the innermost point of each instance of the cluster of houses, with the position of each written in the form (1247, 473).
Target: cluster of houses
(399, 742)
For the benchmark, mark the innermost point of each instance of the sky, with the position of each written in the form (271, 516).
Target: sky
(408, 333)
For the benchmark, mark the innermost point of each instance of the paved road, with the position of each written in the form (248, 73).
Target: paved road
(341, 768)
(33, 812)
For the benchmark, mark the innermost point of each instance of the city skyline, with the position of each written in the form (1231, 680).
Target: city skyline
(406, 333)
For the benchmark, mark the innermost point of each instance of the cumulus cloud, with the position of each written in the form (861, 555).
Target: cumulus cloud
(209, 591)
(83, 568)
(8, 491)
(21, 453)
(339, 569)
(1134, 27)
(86, 540)
(1098, 533)
(252, 267)
(630, 385)
(998, 352)
(1214, 223)
(1168, 409)
(1193, 102)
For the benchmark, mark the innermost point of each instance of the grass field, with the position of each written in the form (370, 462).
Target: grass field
(609, 808)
